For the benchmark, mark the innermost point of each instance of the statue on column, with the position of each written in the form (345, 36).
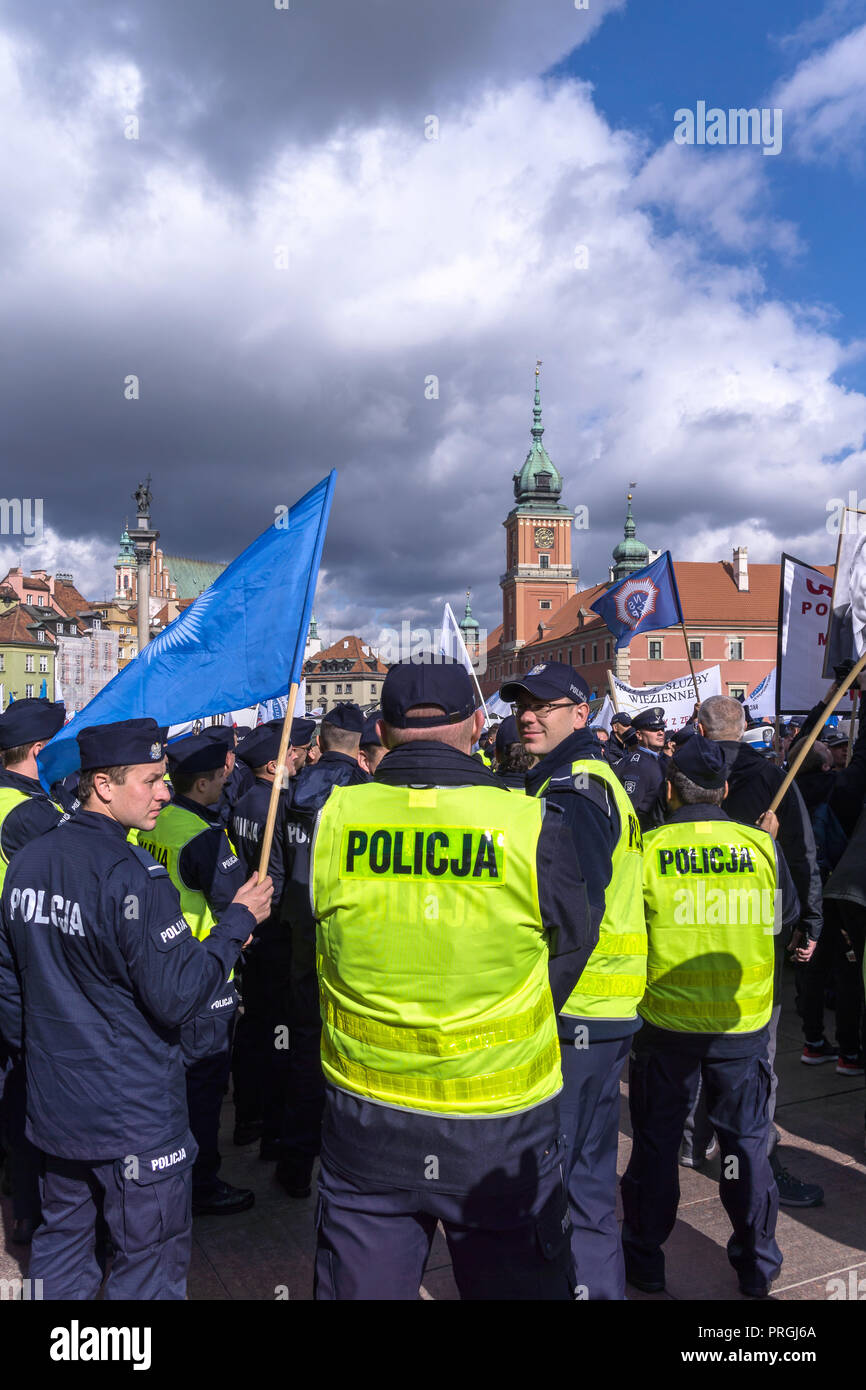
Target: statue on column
(143, 497)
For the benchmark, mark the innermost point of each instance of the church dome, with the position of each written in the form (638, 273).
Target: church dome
(539, 480)
(631, 554)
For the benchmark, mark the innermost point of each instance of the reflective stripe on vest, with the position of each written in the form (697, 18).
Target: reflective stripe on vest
(431, 951)
(613, 983)
(175, 827)
(710, 894)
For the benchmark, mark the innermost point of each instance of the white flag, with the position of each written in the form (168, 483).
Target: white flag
(804, 604)
(761, 701)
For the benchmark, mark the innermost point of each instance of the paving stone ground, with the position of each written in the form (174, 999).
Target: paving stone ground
(267, 1253)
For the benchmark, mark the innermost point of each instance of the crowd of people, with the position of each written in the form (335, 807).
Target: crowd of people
(461, 941)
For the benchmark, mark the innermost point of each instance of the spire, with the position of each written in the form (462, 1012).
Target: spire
(537, 427)
(631, 554)
(468, 623)
(314, 629)
(538, 481)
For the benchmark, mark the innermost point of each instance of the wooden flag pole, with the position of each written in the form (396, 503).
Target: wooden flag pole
(612, 688)
(689, 659)
(815, 731)
(277, 786)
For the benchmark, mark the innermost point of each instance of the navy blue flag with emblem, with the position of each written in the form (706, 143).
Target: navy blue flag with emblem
(240, 643)
(642, 602)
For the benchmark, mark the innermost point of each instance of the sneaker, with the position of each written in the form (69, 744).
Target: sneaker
(688, 1157)
(814, 1054)
(792, 1192)
(850, 1066)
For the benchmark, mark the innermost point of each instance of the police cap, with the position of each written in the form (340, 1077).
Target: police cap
(302, 732)
(370, 736)
(652, 719)
(702, 761)
(30, 721)
(507, 733)
(263, 743)
(440, 681)
(551, 680)
(203, 752)
(620, 717)
(347, 717)
(129, 742)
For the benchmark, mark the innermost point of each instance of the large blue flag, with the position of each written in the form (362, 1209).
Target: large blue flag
(241, 642)
(642, 602)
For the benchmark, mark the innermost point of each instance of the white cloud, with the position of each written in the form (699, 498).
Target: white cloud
(89, 560)
(824, 101)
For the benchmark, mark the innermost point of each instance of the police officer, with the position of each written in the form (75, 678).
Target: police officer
(599, 1018)
(98, 970)
(239, 777)
(25, 813)
(442, 901)
(710, 890)
(339, 738)
(261, 1041)
(372, 750)
(302, 734)
(621, 740)
(512, 762)
(190, 839)
(640, 771)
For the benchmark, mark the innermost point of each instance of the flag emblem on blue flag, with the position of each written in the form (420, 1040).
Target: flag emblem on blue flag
(642, 602)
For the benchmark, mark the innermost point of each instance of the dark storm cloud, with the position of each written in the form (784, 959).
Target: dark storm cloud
(230, 81)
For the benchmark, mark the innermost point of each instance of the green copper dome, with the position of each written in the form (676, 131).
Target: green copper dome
(539, 480)
(468, 626)
(127, 550)
(631, 554)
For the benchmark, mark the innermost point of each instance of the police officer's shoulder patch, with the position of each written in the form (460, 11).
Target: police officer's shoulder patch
(630, 785)
(170, 934)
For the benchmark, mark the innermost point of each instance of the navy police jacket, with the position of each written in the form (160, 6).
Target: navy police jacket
(29, 818)
(641, 772)
(310, 790)
(98, 970)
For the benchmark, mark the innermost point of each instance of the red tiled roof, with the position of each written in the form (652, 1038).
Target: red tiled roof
(348, 649)
(15, 627)
(37, 584)
(69, 600)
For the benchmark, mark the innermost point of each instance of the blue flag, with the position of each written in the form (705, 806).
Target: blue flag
(241, 642)
(642, 602)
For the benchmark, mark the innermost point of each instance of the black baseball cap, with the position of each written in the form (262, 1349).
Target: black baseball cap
(551, 680)
(440, 681)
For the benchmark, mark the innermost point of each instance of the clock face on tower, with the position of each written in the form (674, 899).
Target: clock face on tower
(544, 537)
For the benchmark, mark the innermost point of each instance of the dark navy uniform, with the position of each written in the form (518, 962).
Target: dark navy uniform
(25, 814)
(305, 1092)
(98, 971)
(641, 772)
(260, 1056)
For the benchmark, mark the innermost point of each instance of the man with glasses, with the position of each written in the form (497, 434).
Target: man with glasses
(596, 1024)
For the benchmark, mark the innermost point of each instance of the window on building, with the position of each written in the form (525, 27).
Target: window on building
(2, 661)
(43, 665)
(655, 649)
(97, 622)
(736, 691)
(568, 656)
(339, 689)
(40, 636)
(542, 482)
(40, 601)
(544, 603)
(28, 691)
(736, 649)
(349, 688)
(595, 651)
(28, 662)
(323, 690)
(583, 656)
(607, 650)
(696, 648)
(544, 562)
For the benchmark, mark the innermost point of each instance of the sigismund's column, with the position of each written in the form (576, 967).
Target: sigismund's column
(142, 538)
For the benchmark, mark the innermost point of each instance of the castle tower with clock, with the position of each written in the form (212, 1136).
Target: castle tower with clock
(538, 578)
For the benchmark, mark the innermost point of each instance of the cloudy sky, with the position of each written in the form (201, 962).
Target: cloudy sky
(284, 222)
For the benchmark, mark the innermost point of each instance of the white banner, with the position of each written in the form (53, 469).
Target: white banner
(805, 597)
(761, 702)
(846, 631)
(676, 697)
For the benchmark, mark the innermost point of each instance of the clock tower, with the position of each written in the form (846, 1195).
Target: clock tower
(538, 577)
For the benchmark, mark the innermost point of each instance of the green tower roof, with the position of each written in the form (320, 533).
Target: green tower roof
(631, 554)
(126, 555)
(539, 479)
(467, 624)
